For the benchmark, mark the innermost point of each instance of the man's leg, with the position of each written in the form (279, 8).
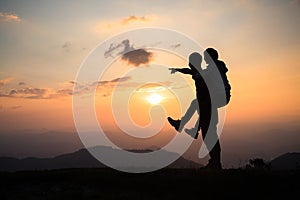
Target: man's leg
(211, 140)
(215, 157)
(179, 124)
(194, 132)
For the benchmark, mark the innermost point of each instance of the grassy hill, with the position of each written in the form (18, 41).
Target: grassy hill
(163, 184)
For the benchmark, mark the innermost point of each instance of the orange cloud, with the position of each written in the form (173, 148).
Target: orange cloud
(4, 81)
(109, 27)
(133, 18)
(7, 17)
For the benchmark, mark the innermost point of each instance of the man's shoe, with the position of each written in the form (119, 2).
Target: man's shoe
(192, 132)
(175, 124)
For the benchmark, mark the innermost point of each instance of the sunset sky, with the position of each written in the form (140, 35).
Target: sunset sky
(43, 44)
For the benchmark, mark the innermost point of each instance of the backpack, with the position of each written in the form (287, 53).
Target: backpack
(218, 91)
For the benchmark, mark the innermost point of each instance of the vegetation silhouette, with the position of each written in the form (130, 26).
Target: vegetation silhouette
(258, 164)
(163, 184)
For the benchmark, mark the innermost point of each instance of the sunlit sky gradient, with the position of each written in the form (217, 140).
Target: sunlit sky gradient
(43, 43)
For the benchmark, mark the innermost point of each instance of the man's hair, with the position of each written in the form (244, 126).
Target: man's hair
(212, 53)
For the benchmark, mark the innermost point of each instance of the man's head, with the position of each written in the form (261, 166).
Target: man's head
(210, 54)
(195, 60)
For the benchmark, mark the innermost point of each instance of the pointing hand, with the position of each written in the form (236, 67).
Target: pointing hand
(173, 70)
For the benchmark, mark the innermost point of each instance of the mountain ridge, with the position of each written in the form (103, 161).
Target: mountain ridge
(78, 159)
(287, 161)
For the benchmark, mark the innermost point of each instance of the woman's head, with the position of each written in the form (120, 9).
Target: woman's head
(195, 60)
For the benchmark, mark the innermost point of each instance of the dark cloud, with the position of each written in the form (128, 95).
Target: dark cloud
(129, 54)
(137, 57)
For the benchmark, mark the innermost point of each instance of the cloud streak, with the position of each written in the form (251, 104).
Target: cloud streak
(69, 88)
(112, 82)
(29, 93)
(105, 88)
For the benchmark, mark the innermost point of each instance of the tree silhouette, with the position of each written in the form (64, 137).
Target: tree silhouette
(258, 163)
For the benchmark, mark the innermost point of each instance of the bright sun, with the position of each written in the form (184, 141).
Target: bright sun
(154, 99)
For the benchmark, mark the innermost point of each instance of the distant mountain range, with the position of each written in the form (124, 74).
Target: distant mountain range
(79, 159)
(28, 150)
(288, 161)
(83, 159)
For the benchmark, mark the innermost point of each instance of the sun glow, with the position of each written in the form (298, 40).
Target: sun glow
(154, 99)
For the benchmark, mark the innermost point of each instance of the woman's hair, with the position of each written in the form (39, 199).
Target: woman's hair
(195, 59)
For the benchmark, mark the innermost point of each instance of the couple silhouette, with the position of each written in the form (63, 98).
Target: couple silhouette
(203, 102)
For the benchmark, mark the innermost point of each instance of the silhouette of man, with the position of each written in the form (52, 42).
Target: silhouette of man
(205, 109)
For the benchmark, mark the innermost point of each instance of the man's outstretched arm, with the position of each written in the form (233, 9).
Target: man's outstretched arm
(181, 70)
